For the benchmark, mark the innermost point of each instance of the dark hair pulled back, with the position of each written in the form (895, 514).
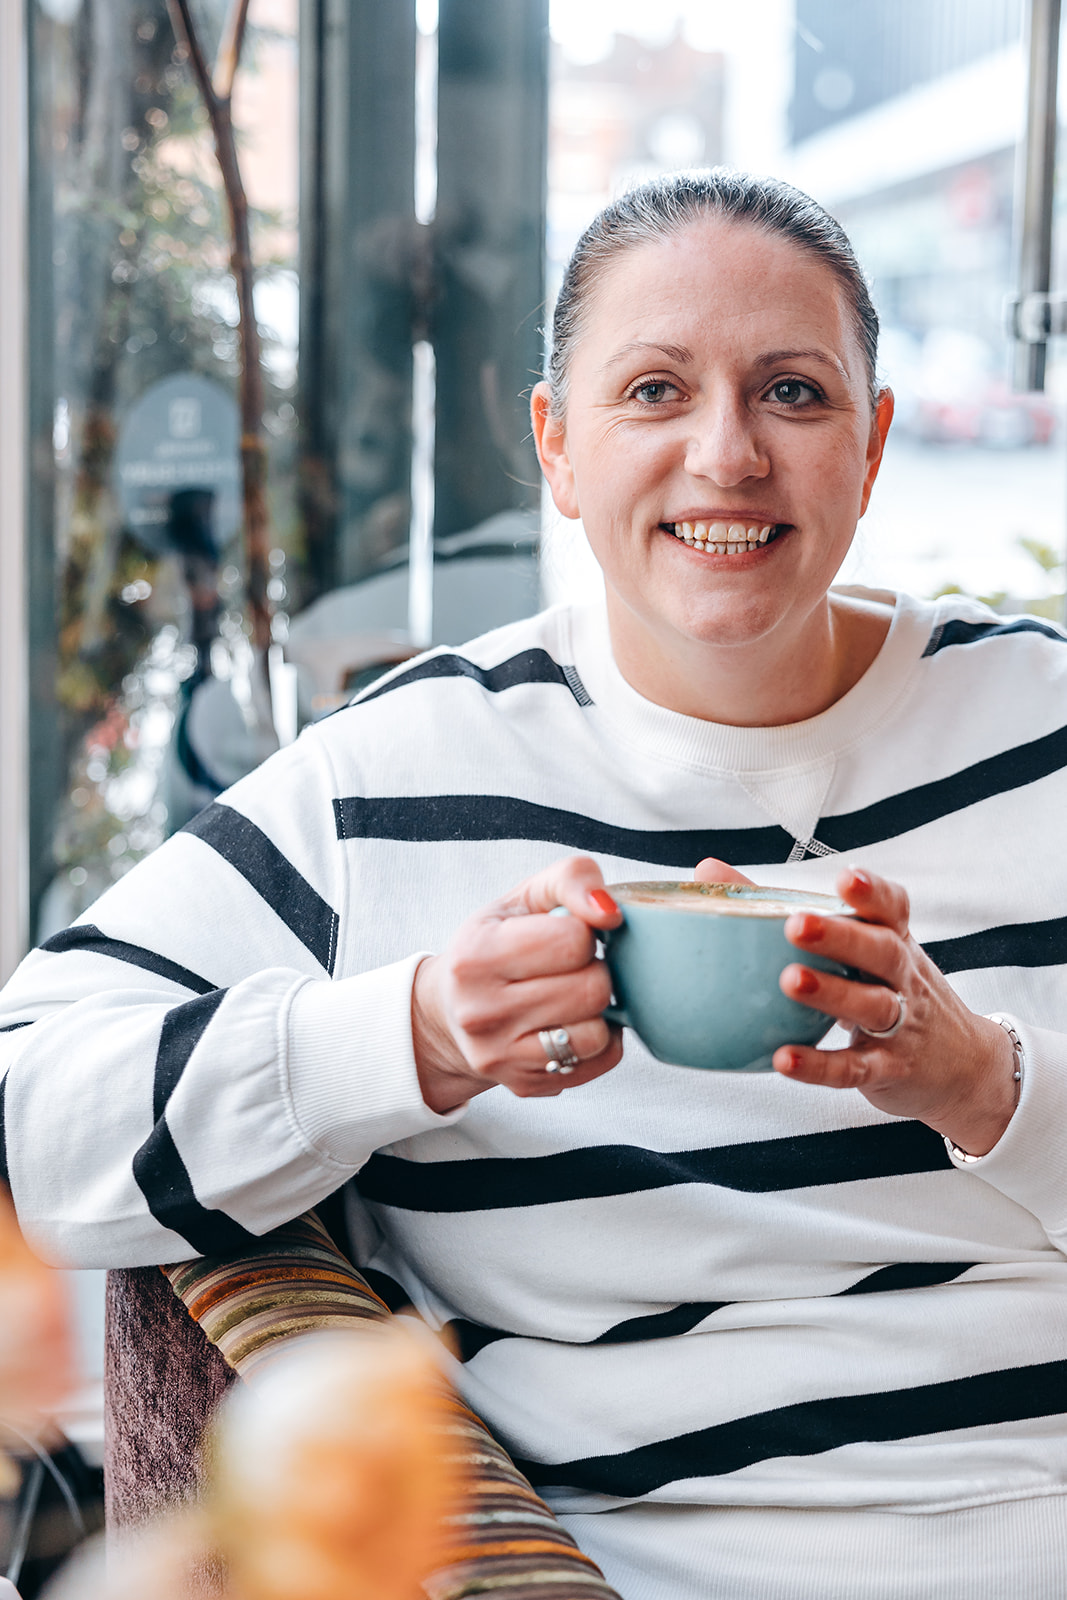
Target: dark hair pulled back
(666, 206)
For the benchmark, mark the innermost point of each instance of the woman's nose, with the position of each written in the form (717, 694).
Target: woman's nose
(724, 445)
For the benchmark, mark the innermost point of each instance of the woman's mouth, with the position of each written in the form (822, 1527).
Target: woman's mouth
(725, 539)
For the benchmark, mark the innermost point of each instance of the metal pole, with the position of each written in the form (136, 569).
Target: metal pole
(420, 542)
(492, 136)
(14, 646)
(1036, 172)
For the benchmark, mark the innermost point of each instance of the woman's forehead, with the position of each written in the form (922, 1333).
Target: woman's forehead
(721, 276)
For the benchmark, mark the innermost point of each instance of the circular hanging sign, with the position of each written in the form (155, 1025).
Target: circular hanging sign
(179, 443)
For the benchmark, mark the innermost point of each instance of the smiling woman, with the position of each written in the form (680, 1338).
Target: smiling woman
(750, 437)
(753, 1335)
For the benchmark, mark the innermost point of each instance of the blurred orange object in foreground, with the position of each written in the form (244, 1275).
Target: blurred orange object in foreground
(332, 1477)
(36, 1343)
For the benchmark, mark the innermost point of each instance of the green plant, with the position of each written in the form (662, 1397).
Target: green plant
(1049, 562)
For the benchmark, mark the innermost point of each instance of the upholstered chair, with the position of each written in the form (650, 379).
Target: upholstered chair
(179, 1337)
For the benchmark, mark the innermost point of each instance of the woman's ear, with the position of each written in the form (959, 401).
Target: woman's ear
(883, 416)
(550, 439)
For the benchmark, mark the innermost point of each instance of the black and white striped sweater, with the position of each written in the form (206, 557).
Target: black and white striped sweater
(685, 1286)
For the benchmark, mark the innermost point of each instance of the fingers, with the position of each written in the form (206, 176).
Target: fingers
(855, 1005)
(711, 870)
(530, 1080)
(588, 1039)
(468, 1038)
(576, 883)
(869, 947)
(501, 1011)
(876, 899)
(916, 1050)
(524, 1066)
(515, 938)
(877, 942)
(515, 948)
(833, 1069)
(512, 971)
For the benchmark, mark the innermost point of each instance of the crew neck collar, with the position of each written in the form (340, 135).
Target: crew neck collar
(693, 742)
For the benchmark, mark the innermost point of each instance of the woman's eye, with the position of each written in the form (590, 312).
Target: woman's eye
(792, 392)
(653, 392)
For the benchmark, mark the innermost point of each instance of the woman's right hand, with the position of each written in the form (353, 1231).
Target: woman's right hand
(510, 972)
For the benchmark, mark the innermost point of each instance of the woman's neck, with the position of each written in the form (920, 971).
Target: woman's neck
(786, 676)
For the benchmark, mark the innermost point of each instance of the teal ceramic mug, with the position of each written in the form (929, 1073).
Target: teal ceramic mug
(695, 968)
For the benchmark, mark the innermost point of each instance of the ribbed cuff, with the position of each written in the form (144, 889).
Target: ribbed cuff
(352, 1082)
(1028, 1163)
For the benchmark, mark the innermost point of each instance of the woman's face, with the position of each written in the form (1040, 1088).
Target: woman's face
(718, 383)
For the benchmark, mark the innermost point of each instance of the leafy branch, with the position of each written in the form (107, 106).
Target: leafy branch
(216, 89)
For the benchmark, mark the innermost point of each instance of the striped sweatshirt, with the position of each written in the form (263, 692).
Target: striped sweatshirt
(668, 1285)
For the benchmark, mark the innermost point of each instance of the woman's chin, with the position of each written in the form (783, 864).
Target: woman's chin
(726, 621)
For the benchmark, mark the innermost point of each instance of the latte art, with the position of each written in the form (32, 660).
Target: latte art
(728, 899)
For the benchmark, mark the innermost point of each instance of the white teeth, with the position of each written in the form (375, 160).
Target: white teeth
(720, 538)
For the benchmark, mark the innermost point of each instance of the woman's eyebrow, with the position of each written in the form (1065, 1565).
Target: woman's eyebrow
(673, 352)
(774, 358)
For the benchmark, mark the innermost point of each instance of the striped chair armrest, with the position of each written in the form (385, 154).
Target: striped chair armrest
(504, 1537)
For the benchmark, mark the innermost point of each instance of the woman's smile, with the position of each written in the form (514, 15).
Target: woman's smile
(733, 536)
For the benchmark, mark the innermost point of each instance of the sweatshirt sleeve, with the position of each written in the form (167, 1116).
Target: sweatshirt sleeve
(182, 1071)
(1028, 1164)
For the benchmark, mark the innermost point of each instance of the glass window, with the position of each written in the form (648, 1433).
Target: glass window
(137, 572)
(181, 629)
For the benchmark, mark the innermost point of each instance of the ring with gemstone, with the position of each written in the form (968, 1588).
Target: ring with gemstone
(556, 1043)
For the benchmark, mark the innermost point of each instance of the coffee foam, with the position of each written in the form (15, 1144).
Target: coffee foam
(728, 899)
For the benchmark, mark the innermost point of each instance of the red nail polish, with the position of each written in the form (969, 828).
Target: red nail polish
(806, 982)
(812, 927)
(792, 1061)
(860, 878)
(603, 901)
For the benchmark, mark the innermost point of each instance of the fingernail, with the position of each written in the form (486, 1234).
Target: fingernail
(603, 901)
(806, 981)
(811, 927)
(860, 878)
(791, 1061)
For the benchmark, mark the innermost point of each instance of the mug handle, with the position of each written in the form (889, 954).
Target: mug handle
(614, 1015)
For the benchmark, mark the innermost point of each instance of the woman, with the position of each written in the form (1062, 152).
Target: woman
(751, 1336)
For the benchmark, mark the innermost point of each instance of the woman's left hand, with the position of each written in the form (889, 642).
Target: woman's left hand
(945, 1066)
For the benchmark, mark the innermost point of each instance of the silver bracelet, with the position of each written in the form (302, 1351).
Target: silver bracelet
(1017, 1045)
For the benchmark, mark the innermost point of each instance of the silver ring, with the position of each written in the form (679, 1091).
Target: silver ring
(895, 1026)
(556, 1043)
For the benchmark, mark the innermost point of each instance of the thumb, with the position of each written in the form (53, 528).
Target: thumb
(712, 871)
(576, 883)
